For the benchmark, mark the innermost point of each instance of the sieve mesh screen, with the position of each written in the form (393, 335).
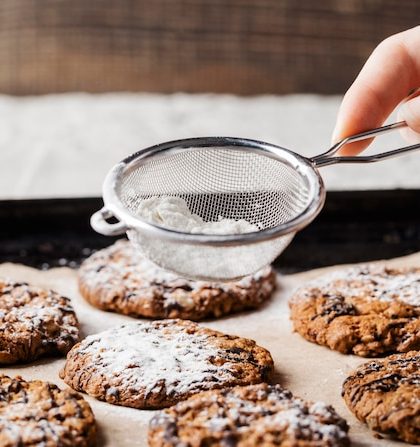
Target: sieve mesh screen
(220, 182)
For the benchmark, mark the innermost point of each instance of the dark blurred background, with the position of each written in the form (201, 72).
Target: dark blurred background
(256, 52)
(236, 46)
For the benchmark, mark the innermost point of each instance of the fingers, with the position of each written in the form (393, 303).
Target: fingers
(390, 73)
(410, 113)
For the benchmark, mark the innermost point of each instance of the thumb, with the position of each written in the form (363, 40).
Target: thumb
(410, 113)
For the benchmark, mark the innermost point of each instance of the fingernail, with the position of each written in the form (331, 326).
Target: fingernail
(335, 135)
(410, 112)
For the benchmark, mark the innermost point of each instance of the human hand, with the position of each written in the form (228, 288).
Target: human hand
(390, 75)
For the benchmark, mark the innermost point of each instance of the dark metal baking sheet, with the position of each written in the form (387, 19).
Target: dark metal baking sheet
(354, 226)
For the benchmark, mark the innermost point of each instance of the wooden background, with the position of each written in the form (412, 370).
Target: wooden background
(235, 46)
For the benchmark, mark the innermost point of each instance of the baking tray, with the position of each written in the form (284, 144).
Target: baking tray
(354, 226)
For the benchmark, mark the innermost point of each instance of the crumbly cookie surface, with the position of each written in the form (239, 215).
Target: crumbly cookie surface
(119, 279)
(265, 415)
(39, 414)
(368, 311)
(156, 364)
(386, 395)
(34, 322)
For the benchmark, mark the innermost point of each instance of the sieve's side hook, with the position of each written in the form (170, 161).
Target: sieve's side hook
(327, 158)
(99, 223)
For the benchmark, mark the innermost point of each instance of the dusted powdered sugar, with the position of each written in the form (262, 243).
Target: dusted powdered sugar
(144, 356)
(370, 281)
(123, 264)
(284, 412)
(37, 313)
(32, 414)
(253, 414)
(299, 424)
(173, 213)
(156, 364)
(26, 310)
(14, 429)
(189, 257)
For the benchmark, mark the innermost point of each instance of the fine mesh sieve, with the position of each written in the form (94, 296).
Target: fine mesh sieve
(271, 187)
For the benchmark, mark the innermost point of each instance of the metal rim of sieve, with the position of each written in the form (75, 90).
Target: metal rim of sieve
(113, 207)
(307, 168)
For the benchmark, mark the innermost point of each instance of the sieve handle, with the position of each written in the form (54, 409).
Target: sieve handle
(327, 158)
(99, 223)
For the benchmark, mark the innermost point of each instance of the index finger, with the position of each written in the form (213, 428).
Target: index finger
(390, 73)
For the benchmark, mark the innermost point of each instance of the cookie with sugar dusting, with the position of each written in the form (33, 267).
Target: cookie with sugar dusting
(385, 394)
(368, 310)
(34, 322)
(36, 413)
(156, 364)
(266, 415)
(119, 279)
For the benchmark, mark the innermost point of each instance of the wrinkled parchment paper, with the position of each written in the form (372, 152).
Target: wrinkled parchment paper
(309, 371)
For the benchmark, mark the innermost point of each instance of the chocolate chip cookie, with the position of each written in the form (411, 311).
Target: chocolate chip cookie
(156, 364)
(254, 415)
(35, 413)
(369, 310)
(34, 322)
(385, 394)
(119, 279)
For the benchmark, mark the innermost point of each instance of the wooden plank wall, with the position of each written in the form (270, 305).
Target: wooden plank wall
(235, 46)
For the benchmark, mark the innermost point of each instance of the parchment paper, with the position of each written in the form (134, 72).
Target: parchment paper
(309, 371)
